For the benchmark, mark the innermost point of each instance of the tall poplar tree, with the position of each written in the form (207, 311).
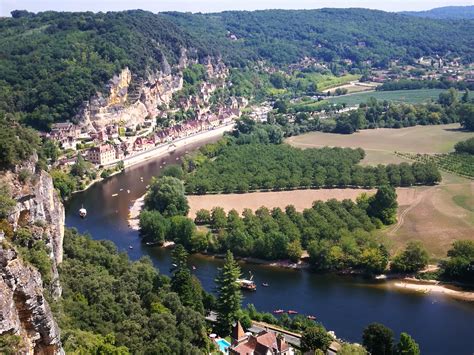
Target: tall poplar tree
(229, 295)
(184, 283)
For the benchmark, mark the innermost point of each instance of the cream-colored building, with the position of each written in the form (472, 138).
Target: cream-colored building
(102, 155)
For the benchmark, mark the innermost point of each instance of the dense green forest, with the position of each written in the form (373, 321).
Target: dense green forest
(284, 37)
(446, 12)
(111, 305)
(52, 62)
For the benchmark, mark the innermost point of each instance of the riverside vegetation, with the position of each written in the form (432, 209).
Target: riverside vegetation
(52, 62)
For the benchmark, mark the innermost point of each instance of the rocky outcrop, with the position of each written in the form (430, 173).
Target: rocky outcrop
(130, 103)
(39, 209)
(23, 309)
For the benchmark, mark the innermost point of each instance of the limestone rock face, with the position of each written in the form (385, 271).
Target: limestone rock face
(129, 103)
(119, 88)
(23, 309)
(41, 210)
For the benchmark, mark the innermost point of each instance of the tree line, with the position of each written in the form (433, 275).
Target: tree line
(249, 167)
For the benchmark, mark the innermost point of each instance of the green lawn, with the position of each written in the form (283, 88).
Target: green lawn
(408, 96)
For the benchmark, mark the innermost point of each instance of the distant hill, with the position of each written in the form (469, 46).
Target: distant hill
(51, 62)
(444, 13)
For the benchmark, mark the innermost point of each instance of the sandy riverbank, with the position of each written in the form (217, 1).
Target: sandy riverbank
(427, 287)
(134, 214)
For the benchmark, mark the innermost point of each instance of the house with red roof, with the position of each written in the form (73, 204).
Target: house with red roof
(263, 343)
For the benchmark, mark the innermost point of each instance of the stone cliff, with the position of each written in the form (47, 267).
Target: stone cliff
(131, 101)
(24, 310)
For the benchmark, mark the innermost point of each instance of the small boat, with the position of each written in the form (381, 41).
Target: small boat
(121, 189)
(113, 195)
(292, 312)
(128, 191)
(247, 284)
(194, 267)
(311, 317)
(130, 247)
(264, 284)
(278, 311)
(82, 212)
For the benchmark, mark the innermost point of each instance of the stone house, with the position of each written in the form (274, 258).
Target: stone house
(102, 155)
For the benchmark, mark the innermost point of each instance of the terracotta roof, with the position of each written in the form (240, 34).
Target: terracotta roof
(238, 332)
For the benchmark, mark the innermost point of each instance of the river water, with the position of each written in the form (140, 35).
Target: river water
(343, 304)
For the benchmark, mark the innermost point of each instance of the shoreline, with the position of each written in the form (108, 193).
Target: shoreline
(161, 150)
(432, 286)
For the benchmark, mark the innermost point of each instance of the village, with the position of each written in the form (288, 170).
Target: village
(115, 130)
(114, 143)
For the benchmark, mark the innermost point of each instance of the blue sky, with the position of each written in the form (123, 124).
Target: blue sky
(217, 5)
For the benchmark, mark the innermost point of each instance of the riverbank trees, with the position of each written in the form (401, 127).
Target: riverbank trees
(460, 263)
(413, 259)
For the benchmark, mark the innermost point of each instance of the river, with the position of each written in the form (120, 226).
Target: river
(343, 304)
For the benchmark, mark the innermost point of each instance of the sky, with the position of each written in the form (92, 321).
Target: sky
(217, 5)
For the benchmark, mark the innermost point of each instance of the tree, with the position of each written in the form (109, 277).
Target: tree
(153, 226)
(79, 168)
(182, 281)
(352, 349)
(374, 260)
(294, 250)
(229, 295)
(466, 116)
(167, 196)
(218, 218)
(174, 171)
(383, 205)
(407, 346)
(314, 338)
(182, 230)
(414, 258)
(378, 339)
(203, 216)
(460, 263)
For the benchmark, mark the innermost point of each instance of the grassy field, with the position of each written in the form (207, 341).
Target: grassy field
(380, 144)
(329, 81)
(435, 215)
(408, 96)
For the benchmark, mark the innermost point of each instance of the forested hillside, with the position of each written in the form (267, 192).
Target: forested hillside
(447, 12)
(283, 36)
(51, 62)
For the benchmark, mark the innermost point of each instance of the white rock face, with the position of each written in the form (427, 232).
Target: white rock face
(129, 104)
(23, 309)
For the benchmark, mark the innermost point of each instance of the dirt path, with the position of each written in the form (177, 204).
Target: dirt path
(401, 216)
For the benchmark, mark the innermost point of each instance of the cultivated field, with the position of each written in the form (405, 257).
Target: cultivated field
(408, 96)
(301, 199)
(380, 144)
(435, 215)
